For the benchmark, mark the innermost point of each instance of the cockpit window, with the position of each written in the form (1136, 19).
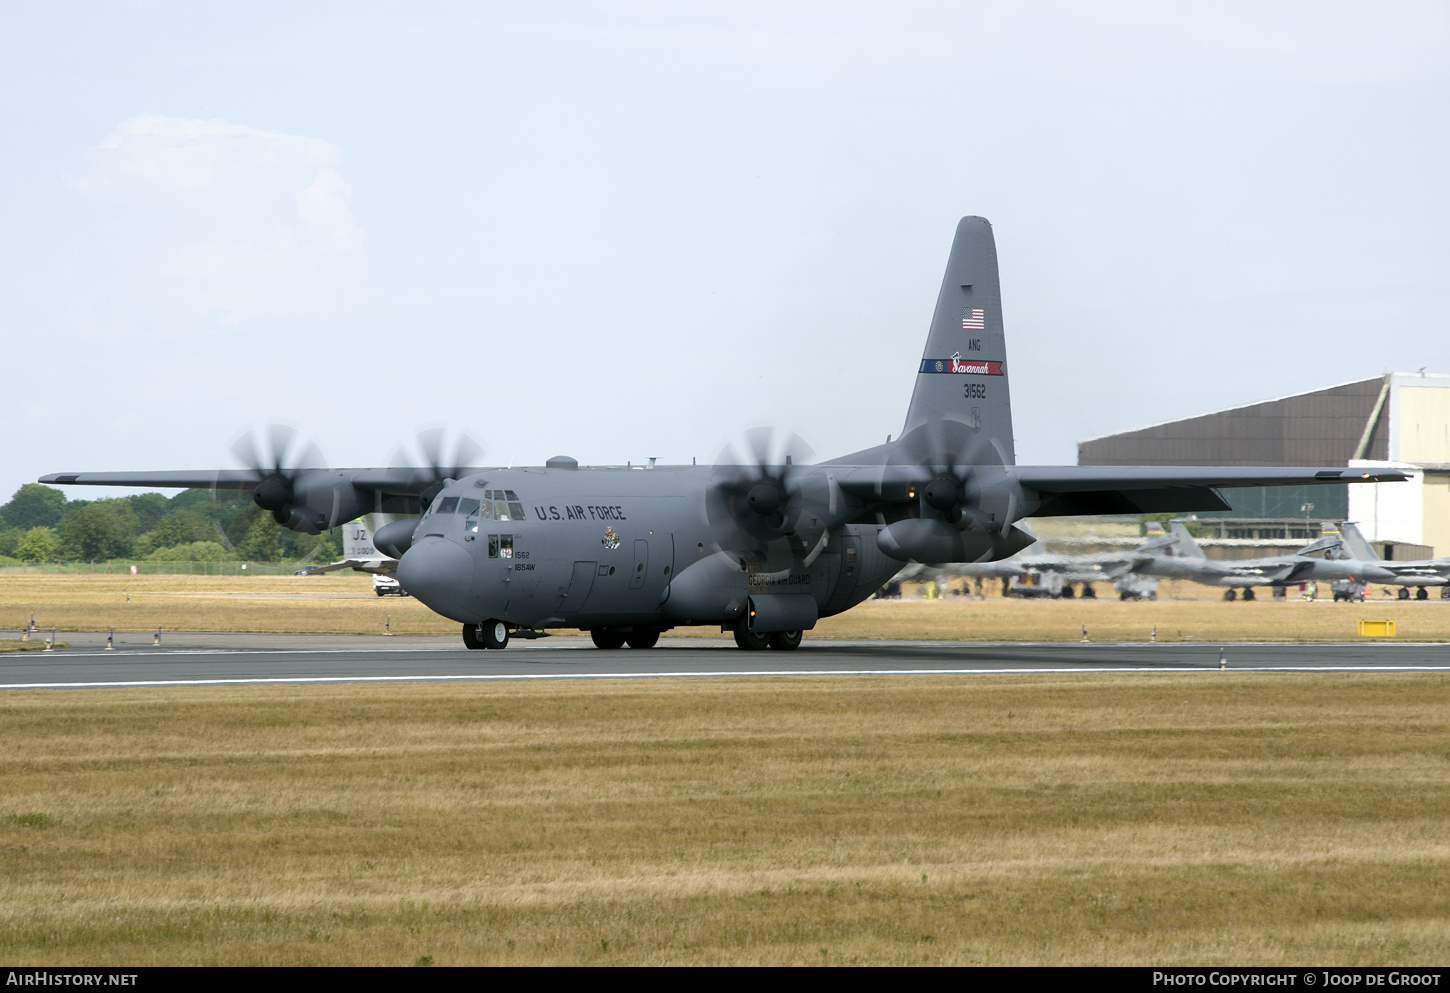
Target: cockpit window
(467, 505)
(448, 505)
(499, 505)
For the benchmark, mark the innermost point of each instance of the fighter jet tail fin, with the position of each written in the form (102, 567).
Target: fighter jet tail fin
(1183, 541)
(357, 540)
(1355, 544)
(1155, 537)
(963, 372)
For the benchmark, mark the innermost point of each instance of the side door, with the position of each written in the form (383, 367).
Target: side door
(640, 570)
(581, 582)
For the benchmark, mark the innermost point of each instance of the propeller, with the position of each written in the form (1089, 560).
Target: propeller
(950, 454)
(755, 499)
(438, 459)
(277, 457)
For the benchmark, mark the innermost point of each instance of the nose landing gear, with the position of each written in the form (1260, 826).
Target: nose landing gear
(489, 634)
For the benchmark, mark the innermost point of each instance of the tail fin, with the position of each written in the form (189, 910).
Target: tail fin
(357, 540)
(963, 373)
(1331, 538)
(1156, 537)
(1187, 547)
(1355, 543)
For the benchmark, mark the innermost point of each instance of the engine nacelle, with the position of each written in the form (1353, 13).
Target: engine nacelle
(933, 542)
(317, 499)
(395, 538)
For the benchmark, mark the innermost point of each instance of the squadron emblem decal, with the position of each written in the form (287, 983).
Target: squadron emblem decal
(611, 540)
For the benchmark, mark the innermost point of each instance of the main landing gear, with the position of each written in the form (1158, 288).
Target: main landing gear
(638, 638)
(751, 641)
(489, 634)
(1233, 594)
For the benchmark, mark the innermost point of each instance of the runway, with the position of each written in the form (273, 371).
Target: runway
(251, 659)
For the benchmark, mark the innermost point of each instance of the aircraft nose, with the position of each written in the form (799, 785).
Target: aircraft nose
(438, 572)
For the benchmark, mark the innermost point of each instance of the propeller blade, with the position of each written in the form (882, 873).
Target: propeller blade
(440, 459)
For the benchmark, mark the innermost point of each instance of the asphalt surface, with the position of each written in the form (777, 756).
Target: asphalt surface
(241, 659)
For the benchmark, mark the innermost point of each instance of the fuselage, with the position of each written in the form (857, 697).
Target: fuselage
(610, 548)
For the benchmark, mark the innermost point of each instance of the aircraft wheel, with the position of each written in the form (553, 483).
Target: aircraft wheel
(1067, 591)
(748, 640)
(1422, 594)
(471, 638)
(786, 641)
(642, 638)
(1088, 593)
(1404, 593)
(495, 634)
(608, 640)
(1122, 596)
(1248, 593)
(1153, 595)
(1230, 594)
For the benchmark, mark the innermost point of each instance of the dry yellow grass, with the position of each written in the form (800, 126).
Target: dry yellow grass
(346, 605)
(1206, 818)
(284, 604)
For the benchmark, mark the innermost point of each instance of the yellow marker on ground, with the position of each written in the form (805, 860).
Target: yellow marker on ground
(1377, 629)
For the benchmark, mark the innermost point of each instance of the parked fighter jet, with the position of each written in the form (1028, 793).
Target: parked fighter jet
(1354, 556)
(359, 553)
(761, 545)
(1185, 560)
(1060, 575)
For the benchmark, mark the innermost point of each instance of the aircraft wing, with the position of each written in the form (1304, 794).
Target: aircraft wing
(205, 479)
(392, 479)
(1269, 572)
(304, 499)
(1083, 490)
(386, 567)
(1434, 569)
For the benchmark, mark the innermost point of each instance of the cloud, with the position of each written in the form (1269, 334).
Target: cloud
(214, 220)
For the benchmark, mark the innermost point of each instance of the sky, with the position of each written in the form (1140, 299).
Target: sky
(634, 230)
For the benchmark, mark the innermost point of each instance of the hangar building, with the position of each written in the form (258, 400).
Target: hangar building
(1400, 419)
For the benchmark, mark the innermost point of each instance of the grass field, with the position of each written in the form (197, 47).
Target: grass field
(1191, 819)
(346, 605)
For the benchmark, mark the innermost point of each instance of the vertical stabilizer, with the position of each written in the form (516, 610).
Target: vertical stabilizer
(357, 540)
(1183, 541)
(1356, 545)
(1155, 538)
(963, 373)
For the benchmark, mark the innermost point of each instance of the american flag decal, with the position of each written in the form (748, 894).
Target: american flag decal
(973, 319)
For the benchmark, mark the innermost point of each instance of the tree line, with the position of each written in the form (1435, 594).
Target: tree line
(40, 525)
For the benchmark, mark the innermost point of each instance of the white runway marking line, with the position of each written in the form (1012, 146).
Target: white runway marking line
(151, 651)
(523, 676)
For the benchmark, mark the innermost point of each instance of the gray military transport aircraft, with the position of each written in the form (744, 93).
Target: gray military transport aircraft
(762, 545)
